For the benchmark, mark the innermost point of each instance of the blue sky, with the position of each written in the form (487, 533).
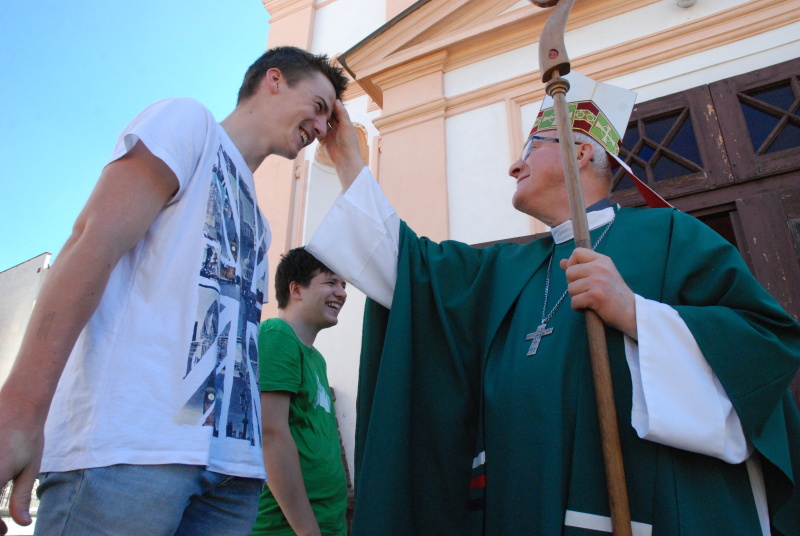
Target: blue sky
(73, 74)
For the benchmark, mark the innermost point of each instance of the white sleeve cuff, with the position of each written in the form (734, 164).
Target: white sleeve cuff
(677, 398)
(359, 239)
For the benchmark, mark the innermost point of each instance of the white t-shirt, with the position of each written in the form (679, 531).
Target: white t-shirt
(166, 370)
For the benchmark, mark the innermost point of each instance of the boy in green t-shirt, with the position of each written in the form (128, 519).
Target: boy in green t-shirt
(306, 489)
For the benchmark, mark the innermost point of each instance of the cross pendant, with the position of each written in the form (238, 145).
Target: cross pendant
(536, 338)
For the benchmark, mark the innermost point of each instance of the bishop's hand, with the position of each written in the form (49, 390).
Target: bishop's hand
(594, 282)
(341, 144)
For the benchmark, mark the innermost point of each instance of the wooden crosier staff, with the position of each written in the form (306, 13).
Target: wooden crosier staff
(553, 63)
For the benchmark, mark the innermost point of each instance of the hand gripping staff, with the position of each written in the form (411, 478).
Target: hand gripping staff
(553, 63)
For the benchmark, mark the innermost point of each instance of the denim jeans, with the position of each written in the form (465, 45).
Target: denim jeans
(157, 500)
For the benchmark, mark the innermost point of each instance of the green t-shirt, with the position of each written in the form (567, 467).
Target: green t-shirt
(287, 364)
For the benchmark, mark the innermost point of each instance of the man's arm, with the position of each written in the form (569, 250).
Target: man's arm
(358, 239)
(677, 398)
(282, 462)
(128, 197)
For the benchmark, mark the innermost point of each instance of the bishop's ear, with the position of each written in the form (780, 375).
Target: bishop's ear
(585, 153)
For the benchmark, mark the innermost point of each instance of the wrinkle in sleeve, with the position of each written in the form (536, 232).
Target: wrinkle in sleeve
(752, 345)
(358, 239)
(677, 399)
(173, 130)
(279, 361)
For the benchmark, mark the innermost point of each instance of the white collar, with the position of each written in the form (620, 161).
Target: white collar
(563, 232)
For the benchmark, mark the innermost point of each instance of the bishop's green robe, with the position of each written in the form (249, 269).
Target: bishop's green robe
(444, 376)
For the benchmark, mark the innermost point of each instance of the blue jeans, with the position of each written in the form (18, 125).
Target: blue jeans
(133, 500)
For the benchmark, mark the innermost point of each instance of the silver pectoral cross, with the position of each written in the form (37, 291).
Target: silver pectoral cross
(536, 338)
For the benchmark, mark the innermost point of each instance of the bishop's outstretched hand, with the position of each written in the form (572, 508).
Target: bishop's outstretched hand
(341, 144)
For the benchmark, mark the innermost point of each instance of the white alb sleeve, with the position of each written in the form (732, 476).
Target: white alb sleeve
(677, 398)
(359, 237)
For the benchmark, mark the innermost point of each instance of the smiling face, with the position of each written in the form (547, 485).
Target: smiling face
(540, 180)
(303, 112)
(541, 188)
(322, 299)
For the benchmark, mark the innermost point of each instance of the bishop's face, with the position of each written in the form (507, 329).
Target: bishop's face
(539, 173)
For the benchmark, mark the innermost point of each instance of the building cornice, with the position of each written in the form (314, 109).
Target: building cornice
(675, 43)
(411, 116)
(479, 39)
(424, 65)
(384, 60)
(279, 9)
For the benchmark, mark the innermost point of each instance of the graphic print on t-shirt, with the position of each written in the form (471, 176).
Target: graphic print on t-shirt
(230, 290)
(322, 400)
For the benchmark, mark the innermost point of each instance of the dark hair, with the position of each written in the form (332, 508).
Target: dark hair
(296, 265)
(294, 64)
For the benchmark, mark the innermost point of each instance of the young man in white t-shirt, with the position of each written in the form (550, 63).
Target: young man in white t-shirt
(143, 343)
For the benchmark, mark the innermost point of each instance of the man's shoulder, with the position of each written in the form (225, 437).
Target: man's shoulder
(677, 228)
(648, 214)
(278, 331)
(182, 112)
(658, 214)
(275, 325)
(187, 104)
(278, 343)
(645, 218)
(481, 252)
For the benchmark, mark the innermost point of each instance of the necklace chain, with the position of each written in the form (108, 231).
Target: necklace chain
(546, 319)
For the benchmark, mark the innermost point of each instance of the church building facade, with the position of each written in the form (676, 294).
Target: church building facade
(444, 93)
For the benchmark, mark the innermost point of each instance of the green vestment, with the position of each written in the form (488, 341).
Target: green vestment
(444, 376)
